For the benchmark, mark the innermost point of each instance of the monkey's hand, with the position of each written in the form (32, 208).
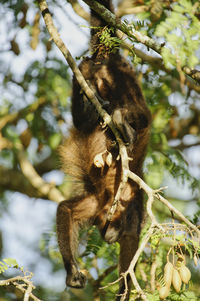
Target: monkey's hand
(127, 132)
(105, 103)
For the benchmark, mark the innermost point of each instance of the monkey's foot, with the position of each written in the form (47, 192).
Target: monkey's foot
(112, 235)
(76, 280)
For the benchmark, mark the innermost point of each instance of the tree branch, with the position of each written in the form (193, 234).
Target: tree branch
(152, 195)
(130, 10)
(79, 10)
(193, 73)
(14, 180)
(24, 284)
(130, 31)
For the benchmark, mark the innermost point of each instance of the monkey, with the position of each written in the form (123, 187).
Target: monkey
(115, 84)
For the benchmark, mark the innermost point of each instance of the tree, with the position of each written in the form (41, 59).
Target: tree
(161, 38)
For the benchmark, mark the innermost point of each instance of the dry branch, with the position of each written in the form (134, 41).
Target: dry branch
(24, 284)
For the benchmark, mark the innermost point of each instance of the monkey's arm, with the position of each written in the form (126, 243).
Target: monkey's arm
(85, 115)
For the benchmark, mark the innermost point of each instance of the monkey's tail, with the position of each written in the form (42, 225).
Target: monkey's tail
(97, 24)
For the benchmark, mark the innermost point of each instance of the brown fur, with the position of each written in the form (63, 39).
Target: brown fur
(117, 88)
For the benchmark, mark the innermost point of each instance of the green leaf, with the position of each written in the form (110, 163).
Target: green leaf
(3, 267)
(11, 262)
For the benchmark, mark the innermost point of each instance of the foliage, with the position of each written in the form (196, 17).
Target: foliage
(7, 263)
(106, 39)
(35, 116)
(183, 40)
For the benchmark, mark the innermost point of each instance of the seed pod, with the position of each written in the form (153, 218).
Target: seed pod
(98, 160)
(181, 260)
(109, 159)
(195, 260)
(184, 274)
(164, 292)
(176, 280)
(168, 272)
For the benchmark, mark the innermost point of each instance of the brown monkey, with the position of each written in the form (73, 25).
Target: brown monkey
(115, 83)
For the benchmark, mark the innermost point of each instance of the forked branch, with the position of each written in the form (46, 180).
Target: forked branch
(24, 284)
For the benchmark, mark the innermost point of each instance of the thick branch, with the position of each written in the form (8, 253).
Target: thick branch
(79, 10)
(58, 41)
(128, 30)
(130, 10)
(110, 18)
(14, 180)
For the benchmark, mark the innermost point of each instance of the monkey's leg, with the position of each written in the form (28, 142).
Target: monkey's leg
(128, 247)
(70, 215)
(130, 239)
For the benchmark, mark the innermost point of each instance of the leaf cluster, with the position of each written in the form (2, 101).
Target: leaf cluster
(180, 30)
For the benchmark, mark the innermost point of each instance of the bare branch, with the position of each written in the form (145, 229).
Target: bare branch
(130, 10)
(79, 10)
(14, 180)
(156, 62)
(155, 226)
(24, 284)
